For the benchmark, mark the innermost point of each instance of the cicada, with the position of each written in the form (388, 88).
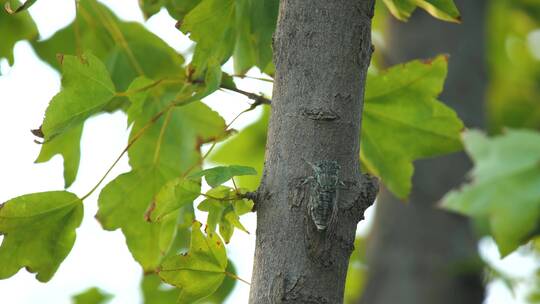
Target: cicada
(323, 198)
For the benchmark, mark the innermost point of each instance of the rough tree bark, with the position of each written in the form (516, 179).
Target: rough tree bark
(418, 254)
(322, 50)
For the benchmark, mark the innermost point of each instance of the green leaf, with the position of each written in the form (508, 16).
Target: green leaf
(155, 292)
(264, 15)
(201, 271)
(123, 204)
(165, 144)
(441, 9)
(246, 148)
(403, 101)
(211, 25)
(68, 145)
(244, 50)
(86, 89)
(222, 28)
(505, 187)
(39, 232)
(219, 175)
(173, 141)
(26, 5)
(179, 8)
(92, 295)
(128, 49)
(15, 28)
(224, 207)
(176, 194)
(401, 9)
(137, 93)
(224, 290)
(151, 7)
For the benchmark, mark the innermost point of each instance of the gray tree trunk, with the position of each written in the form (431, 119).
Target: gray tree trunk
(322, 50)
(419, 254)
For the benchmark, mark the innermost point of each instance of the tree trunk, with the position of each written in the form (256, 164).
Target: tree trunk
(322, 50)
(419, 254)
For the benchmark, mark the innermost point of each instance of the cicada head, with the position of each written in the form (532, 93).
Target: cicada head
(327, 173)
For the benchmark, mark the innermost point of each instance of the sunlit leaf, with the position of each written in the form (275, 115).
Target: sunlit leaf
(14, 28)
(205, 263)
(176, 194)
(86, 89)
(138, 92)
(441, 9)
(15, 10)
(68, 145)
(401, 9)
(179, 8)
(225, 28)
(264, 15)
(91, 296)
(165, 144)
(128, 49)
(173, 141)
(39, 232)
(156, 292)
(224, 207)
(211, 25)
(122, 205)
(505, 186)
(151, 7)
(403, 121)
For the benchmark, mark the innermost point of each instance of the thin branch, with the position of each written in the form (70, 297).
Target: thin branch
(234, 184)
(251, 77)
(259, 99)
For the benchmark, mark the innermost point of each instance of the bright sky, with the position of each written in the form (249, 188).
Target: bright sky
(100, 258)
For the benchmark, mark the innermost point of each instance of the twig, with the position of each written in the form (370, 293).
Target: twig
(259, 99)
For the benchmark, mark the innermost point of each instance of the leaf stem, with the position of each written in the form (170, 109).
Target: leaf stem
(161, 135)
(251, 77)
(149, 86)
(130, 143)
(232, 275)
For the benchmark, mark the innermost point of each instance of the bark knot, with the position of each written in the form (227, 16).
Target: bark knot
(319, 114)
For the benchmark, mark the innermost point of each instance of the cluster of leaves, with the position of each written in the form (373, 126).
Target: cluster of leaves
(121, 66)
